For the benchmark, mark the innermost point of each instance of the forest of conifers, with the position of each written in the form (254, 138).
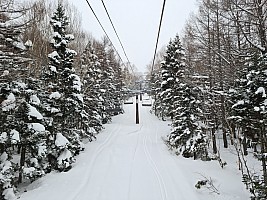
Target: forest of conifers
(59, 85)
(212, 84)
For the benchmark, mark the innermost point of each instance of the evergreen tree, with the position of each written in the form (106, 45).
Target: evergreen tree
(106, 86)
(91, 73)
(155, 85)
(170, 70)
(180, 100)
(117, 82)
(17, 114)
(64, 103)
(31, 139)
(249, 105)
(187, 137)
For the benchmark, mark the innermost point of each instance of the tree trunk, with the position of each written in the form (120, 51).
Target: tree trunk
(244, 144)
(263, 152)
(22, 162)
(214, 145)
(233, 133)
(225, 142)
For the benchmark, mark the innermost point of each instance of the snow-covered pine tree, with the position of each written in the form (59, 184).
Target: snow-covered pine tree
(155, 85)
(30, 135)
(155, 80)
(186, 137)
(22, 134)
(91, 73)
(64, 103)
(249, 113)
(106, 85)
(169, 71)
(117, 82)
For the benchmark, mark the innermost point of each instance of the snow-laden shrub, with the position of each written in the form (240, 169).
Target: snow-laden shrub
(196, 147)
(256, 186)
(6, 178)
(65, 160)
(32, 173)
(188, 143)
(34, 169)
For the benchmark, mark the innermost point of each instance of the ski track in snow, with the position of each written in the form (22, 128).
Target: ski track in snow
(108, 141)
(161, 182)
(164, 195)
(98, 152)
(132, 163)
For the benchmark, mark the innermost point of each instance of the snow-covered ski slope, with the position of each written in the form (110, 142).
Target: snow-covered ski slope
(131, 162)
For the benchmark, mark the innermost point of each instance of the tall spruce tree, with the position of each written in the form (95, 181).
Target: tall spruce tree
(106, 79)
(19, 115)
(168, 74)
(155, 85)
(64, 102)
(180, 100)
(117, 82)
(187, 138)
(91, 73)
(249, 113)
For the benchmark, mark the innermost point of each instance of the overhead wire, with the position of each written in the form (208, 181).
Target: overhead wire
(159, 29)
(116, 32)
(91, 8)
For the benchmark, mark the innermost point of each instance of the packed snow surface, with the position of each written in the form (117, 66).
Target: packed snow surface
(130, 161)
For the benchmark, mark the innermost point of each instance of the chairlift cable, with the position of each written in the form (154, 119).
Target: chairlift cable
(160, 23)
(104, 30)
(116, 33)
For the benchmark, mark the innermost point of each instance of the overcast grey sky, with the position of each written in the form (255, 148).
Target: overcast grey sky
(136, 22)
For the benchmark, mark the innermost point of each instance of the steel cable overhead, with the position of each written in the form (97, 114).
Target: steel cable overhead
(115, 31)
(161, 17)
(104, 30)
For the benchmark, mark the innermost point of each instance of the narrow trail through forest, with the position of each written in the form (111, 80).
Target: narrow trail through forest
(126, 162)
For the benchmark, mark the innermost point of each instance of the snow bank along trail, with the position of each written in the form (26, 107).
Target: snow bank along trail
(126, 162)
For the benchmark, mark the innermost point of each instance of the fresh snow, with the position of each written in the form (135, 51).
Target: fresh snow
(55, 95)
(71, 51)
(53, 68)
(61, 141)
(79, 96)
(28, 43)
(256, 108)
(69, 36)
(35, 100)
(9, 194)
(3, 137)
(131, 162)
(56, 35)
(56, 23)
(54, 110)
(6, 165)
(53, 55)
(262, 91)
(5, 72)
(36, 127)
(163, 83)
(15, 138)
(34, 113)
(9, 103)
(65, 155)
(77, 84)
(19, 45)
(240, 102)
(29, 170)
